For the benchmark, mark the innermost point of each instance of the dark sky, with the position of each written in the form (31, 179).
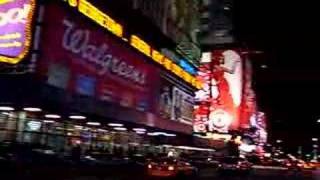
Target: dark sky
(289, 89)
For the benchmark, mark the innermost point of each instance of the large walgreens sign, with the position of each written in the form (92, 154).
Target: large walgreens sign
(15, 29)
(81, 59)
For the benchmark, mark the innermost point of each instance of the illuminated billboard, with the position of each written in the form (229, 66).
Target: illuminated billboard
(220, 100)
(15, 29)
(175, 103)
(226, 88)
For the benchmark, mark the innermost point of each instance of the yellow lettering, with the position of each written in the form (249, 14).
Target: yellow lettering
(167, 63)
(100, 18)
(193, 81)
(5, 1)
(140, 45)
(10, 45)
(73, 3)
(198, 85)
(10, 36)
(157, 56)
(177, 70)
(187, 77)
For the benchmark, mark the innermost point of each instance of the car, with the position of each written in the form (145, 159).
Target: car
(307, 165)
(170, 167)
(294, 165)
(234, 164)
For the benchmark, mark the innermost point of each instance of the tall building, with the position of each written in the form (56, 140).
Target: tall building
(216, 22)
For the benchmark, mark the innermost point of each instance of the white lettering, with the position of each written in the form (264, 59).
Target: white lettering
(15, 15)
(77, 41)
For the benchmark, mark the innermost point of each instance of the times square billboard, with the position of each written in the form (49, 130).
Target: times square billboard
(227, 101)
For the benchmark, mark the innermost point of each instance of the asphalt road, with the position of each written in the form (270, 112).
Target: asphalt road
(133, 172)
(209, 174)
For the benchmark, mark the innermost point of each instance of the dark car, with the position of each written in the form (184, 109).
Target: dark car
(27, 161)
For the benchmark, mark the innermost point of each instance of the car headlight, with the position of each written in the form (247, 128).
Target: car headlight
(171, 168)
(149, 166)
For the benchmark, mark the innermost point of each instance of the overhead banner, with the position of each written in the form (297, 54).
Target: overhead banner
(15, 29)
(84, 59)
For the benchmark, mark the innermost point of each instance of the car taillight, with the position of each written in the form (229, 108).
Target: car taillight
(288, 164)
(150, 166)
(171, 168)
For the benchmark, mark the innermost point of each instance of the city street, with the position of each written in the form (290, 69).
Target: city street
(266, 175)
(159, 89)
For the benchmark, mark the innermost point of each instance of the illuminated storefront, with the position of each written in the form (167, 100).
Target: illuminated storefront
(89, 76)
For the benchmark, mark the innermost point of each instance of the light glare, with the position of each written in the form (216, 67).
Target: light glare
(32, 109)
(52, 116)
(93, 123)
(115, 124)
(6, 108)
(77, 117)
(139, 129)
(120, 128)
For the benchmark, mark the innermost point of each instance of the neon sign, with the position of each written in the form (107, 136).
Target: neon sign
(89, 10)
(167, 63)
(15, 29)
(79, 42)
(111, 25)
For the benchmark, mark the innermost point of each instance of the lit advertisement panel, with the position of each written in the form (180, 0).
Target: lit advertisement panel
(226, 91)
(175, 103)
(248, 106)
(258, 122)
(15, 29)
(202, 99)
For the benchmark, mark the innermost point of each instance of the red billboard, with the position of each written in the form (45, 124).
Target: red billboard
(84, 59)
(227, 82)
(221, 101)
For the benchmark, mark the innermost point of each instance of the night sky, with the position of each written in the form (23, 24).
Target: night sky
(289, 89)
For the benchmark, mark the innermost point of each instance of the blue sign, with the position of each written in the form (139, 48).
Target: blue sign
(187, 67)
(85, 85)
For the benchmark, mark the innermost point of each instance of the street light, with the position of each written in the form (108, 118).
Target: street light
(314, 139)
(279, 141)
(318, 121)
(264, 66)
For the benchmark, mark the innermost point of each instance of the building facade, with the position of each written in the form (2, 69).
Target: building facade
(77, 72)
